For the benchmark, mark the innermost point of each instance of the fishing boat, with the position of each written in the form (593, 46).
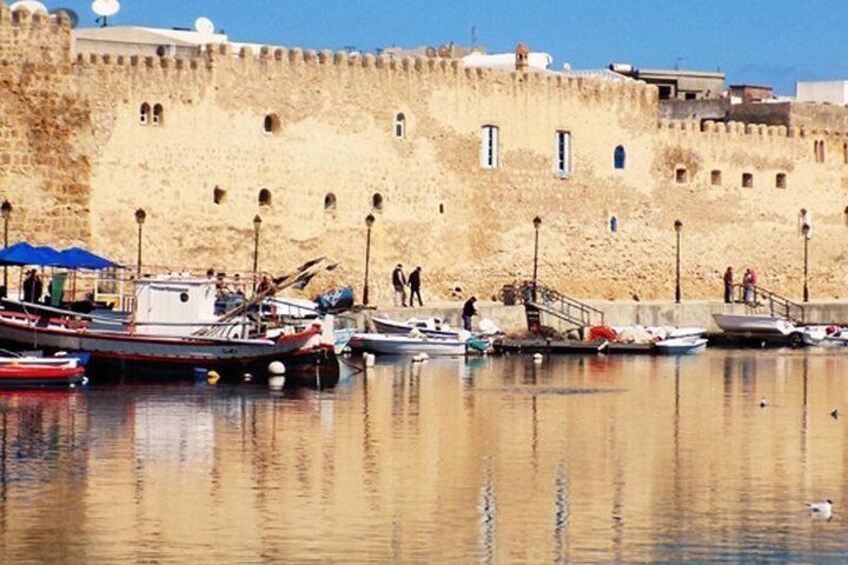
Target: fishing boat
(825, 336)
(681, 345)
(395, 344)
(748, 323)
(41, 371)
(172, 326)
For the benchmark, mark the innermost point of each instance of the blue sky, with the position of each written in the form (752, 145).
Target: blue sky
(774, 42)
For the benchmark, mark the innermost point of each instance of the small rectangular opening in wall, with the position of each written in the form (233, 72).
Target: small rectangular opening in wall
(715, 178)
(780, 180)
(747, 180)
(681, 175)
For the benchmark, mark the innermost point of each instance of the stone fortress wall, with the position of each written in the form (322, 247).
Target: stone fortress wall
(76, 162)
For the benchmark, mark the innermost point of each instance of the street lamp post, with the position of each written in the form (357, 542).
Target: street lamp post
(369, 222)
(805, 231)
(5, 211)
(537, 223)
(257, 223)
(678, 227)
(140, 216)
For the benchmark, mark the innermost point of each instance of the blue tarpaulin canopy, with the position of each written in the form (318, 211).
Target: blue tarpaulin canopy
(25, 254)
(73, 258)
(78, 258)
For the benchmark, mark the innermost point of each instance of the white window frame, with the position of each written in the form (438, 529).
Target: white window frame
(562, 155)
(489, 135)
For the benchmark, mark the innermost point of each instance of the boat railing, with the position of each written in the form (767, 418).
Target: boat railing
(551, 302)
(757, 297)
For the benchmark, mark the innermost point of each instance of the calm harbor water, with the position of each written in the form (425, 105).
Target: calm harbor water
(579, 459)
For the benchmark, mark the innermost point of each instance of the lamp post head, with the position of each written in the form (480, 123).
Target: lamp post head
(805, 229)
(257, 223)
(678, 225)
(140, 216)
(537, 222)
(369, 220)
(5, 209)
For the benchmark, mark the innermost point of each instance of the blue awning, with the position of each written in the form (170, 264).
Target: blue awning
(78, 258)
(25, 254)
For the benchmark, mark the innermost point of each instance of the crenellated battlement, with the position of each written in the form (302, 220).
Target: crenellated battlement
(736, 128)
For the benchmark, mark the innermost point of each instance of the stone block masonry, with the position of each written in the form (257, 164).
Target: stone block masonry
(314, 133)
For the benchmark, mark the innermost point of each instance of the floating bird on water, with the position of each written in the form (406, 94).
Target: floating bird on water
(822, 509)
(835, 414)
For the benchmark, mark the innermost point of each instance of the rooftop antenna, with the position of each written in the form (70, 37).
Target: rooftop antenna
(473, 35)
(105, 9)
(677, 63)
(204, 26)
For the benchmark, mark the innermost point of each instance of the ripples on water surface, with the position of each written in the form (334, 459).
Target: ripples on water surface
(578, 459)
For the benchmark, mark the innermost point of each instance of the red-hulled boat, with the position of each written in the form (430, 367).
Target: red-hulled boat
(37, 371)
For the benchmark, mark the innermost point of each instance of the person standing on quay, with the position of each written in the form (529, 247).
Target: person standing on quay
(728, 285)
(468, 311)
(415, 287)
(399, 284)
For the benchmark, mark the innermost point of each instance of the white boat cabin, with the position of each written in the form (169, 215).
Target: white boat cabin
(177, 305)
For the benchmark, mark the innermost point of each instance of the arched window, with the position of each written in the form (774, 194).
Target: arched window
(619, 156)
(264, 197)
(400, 126)
(489, 147)
(818, 148)
(330, 202)
(780, 180)
(158, 115)
(377, 202)
(271, 123)
(144, 114)
(613, 224)
(219, 195)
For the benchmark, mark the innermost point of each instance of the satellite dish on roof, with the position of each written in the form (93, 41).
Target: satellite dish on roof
(73, 18)
(32, 6)
(204, 26)
(105, 9)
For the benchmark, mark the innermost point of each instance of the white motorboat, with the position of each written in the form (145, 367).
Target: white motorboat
(431, 327)
(825, 336)
(393, 344)
(749, 323)
(681, 345)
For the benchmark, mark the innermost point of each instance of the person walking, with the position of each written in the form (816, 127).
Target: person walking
(728, 285)
(468, 311)
(415, 287)
(399, 285)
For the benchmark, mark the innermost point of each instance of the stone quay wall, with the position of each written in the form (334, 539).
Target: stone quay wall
(76, 161)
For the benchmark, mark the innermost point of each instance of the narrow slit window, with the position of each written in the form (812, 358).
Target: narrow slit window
(377, 202)
(158, 115)
(219, 195)
(489, 147)
(780, 180)
(271, 124)
(563, 153)
(144, 114)
(330, 202)
(400, 126)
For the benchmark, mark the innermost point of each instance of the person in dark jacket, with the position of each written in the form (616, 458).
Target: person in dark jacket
(468, 311)
(32, 287)
(415, 287)
(399, 285)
